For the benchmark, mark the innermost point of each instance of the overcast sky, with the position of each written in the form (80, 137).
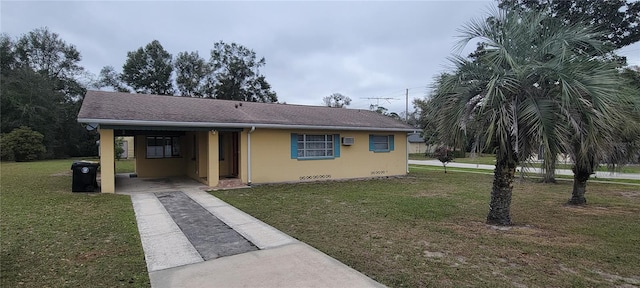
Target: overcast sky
(360, 49)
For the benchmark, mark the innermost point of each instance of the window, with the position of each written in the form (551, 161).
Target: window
(163, 146)
(306, 146)
(381, 143)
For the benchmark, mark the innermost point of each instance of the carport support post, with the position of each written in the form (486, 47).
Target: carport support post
(107, 161)
(213, 163)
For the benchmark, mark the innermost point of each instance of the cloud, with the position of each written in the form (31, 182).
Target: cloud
(361, 49)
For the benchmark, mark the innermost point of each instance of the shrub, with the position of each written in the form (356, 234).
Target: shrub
(119, 148)
(444, 155)
(22, 144)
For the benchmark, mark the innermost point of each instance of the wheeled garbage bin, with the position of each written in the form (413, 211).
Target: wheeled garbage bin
(84, 176)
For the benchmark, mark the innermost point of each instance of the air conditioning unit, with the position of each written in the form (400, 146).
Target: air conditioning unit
(347, 141)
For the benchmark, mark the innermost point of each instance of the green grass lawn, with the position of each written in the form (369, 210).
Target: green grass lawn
(126, 166)
(491, 160)
(428, 230)
(481, 159)
(54, 238)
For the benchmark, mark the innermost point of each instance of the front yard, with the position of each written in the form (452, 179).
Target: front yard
(54, 238)
(428, 230)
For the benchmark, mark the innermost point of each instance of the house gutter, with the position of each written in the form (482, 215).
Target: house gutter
(232, 125)
(253, 128)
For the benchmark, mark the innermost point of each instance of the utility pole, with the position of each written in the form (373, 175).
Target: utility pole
(406, 110)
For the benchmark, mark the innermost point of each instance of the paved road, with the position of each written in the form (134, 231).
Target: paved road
(599, 174)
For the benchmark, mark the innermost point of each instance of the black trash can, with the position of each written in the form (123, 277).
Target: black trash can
(84, 176)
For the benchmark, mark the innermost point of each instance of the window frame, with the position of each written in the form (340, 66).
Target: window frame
(389, 143)
(302, 146)
(168, 145)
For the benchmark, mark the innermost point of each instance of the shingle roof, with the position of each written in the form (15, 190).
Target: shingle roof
(117, 108)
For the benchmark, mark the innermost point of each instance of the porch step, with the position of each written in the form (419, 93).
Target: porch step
(230, 183)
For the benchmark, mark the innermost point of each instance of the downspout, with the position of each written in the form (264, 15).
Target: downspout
(407, 150)
(253, 128)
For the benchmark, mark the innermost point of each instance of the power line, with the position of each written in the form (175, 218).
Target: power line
(388, 99)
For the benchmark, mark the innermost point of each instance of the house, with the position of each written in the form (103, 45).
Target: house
(418, 145)
(213, 140)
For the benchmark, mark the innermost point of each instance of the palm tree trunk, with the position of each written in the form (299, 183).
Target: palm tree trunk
(499, 208)
(550, 171)
(580, 177)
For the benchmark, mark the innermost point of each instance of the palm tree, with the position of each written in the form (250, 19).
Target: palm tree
(533, 84)
(612, 125)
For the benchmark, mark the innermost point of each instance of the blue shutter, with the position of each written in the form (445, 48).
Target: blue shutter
(371, 146)
(391, 143)
(294, 146)
(336, 145)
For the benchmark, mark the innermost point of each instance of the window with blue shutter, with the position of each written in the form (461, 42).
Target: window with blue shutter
(381, 143)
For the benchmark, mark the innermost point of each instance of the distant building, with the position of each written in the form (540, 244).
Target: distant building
(418, 145)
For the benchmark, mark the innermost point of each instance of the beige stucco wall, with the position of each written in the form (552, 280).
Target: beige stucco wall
(130, 146)
(107, 161)
(160, 167)
(271, 158)
(213, 165)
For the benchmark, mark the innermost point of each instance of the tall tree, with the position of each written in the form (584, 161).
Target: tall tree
(237, 74)
(617, 20)
(40, 89)
(44, 52)
(7, 57)
(336, 100)
(529, 75)
(193, 75)
(148, 70)
(110, 78)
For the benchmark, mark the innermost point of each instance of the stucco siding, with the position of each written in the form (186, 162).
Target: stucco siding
(272, 162)
(107, 161)
(159, 167)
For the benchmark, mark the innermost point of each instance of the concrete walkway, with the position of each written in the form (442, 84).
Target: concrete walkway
(599, 174)
(280, 261)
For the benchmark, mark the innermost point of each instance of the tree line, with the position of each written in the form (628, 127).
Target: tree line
(42, 86)
(543, 79)
(41, 89)
(231, 73)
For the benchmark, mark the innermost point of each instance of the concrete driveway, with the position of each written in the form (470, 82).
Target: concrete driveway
(193, 239)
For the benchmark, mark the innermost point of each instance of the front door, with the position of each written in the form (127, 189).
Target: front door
(235, 151)
(228, 154)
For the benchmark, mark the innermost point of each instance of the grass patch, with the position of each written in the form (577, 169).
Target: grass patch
(483, 159)
(488, 159)
(126, 166)
(533, 177)
(419, 156)
(427, 229)
(54, 238)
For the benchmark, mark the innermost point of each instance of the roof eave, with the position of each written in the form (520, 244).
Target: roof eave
(234, 125)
